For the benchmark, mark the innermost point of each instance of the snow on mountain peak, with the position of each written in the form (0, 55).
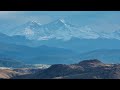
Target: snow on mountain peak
(62, 20)
(28, 31)
(60, 29)
(33, 24)
(59, 22)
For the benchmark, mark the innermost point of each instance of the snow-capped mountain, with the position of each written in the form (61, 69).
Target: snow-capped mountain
(60, 29)
(26, 29)
(116, 34)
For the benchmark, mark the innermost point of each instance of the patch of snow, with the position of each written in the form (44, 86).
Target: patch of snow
(4, 68)
(28, 31)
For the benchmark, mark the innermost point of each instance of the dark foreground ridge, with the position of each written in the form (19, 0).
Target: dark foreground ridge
(87, 69)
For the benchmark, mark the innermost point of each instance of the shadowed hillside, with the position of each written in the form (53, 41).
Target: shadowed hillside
(87, 69)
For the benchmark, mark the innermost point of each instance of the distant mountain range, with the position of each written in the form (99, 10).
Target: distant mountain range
(53, 50)
(16, 39)
(74, 44)
(53, 55)
(36, 55)
(61, 34)
(58, 42)
(59, 29)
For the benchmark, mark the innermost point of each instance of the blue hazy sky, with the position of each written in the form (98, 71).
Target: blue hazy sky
(75, 17)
